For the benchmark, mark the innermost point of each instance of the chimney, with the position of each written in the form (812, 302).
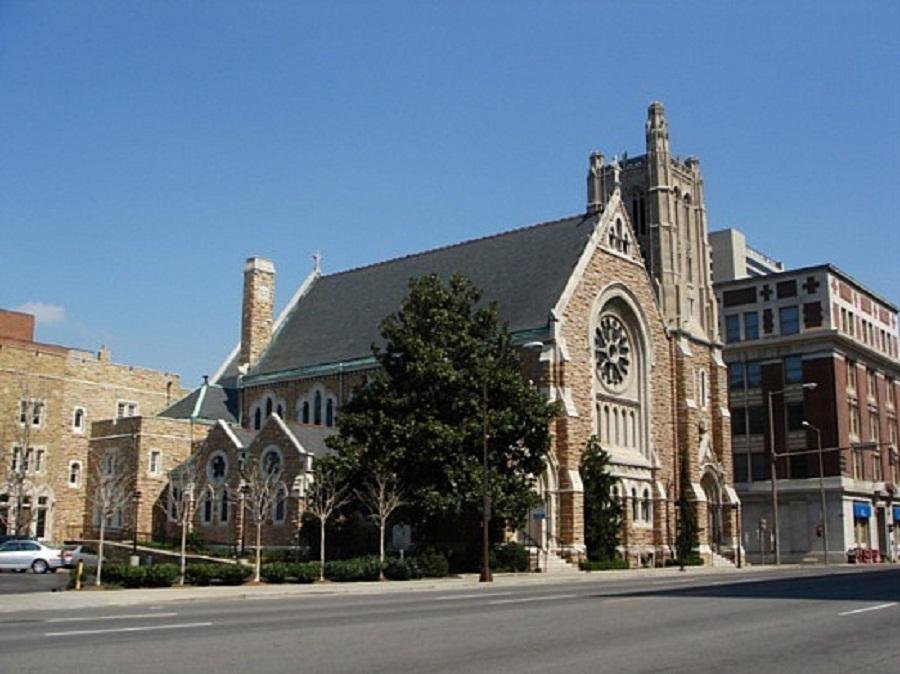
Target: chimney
(256, 313)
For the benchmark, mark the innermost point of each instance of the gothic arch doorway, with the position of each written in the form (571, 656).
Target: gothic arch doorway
(543, 521)
(712, 489)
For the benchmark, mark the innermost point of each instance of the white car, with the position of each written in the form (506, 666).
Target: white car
(86, 554)
(23, 555)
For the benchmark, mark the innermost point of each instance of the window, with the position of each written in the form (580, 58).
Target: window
(859, 472)
(109, 464)
(31, 411)
(795, 416)
(754, 374)
(738, 421)
(759, 467)
(216, 468)
(851, 375)
(155, 462)
(304, 415)
(854, 420)
(16, 463)
(75, 474)
(78, 420)
(223, 507)
(257, 419)
(39, 460)
(268, 407)
(317, 409)
(732, 329)
(871, 384)
(646, 512)
(702, 392)
(126, 408)
(877, 473)
(271, 462)
(757, 423)
(789, 319)
(874, 428)
(741, 467)
(329, 413)
(793, 370)
(280, 506)
(799, 466)
(207, 509)
(735, 376)
(635, 506)
(751, 325)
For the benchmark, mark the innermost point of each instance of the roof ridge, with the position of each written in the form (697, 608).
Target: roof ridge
(454, 245)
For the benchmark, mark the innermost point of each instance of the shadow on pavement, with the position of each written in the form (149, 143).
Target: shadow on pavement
(882, 585)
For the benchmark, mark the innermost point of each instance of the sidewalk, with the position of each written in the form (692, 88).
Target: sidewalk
(68, 600)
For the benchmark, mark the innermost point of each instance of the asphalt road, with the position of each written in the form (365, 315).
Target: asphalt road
(13, 582)
(798, 620)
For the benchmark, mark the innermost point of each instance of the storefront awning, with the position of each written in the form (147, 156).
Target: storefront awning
(897, 513)
(862, 510)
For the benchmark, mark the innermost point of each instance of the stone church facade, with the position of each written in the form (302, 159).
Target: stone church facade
(620, 299)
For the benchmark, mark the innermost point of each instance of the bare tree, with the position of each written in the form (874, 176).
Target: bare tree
(381, 495)
(111, 493)
(327, 495)
(261, 487)
(185, 484)
(16, 482)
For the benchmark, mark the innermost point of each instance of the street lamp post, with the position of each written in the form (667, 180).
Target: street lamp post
(821, 492)
(774, 467)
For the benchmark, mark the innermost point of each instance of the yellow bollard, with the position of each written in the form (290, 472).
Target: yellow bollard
(79, 569)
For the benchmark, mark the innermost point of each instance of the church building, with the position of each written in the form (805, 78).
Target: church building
(619, 298)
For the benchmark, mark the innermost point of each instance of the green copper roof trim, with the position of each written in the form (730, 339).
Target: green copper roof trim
(199, 404)
(518, 338)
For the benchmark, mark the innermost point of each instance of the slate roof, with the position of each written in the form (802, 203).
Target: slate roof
(215, 402)
(312, 438)
(524, 271)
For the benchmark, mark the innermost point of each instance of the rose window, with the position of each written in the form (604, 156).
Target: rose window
(613, 351)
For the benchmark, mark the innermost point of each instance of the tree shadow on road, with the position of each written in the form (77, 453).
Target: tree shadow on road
(881, 585)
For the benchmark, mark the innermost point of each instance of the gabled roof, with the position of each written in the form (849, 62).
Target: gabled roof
(338, 319)
(208, 402)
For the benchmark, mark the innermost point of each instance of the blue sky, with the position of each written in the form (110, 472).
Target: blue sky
(149, 148)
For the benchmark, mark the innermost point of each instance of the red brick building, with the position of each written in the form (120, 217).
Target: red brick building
(825, 350)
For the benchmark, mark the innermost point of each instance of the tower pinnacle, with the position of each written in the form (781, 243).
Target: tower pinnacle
(657, 129)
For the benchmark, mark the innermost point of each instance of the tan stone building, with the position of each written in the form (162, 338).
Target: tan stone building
(50, 395)
(620, 299)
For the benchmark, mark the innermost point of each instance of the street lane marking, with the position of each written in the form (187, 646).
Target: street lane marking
(125, 616)
(478, 595)
(526, 599)
(146, 628)
(869, 608)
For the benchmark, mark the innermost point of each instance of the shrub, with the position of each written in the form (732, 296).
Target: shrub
(302, 572)
(276, 572)
(111, 573)
(199, 574)
(401, 569)
(233, 574)
(352, 570)
(510, 556)
(432, 564)
(604, 565)
(160, 575)
(131, 576)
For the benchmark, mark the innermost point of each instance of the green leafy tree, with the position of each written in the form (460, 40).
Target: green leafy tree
(420, 417)
(687, 538)
(602, 511)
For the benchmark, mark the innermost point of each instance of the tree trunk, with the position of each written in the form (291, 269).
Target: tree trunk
(381, 549)
(258, 548)
(100, 548)
(322, 549)
(183, 548)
